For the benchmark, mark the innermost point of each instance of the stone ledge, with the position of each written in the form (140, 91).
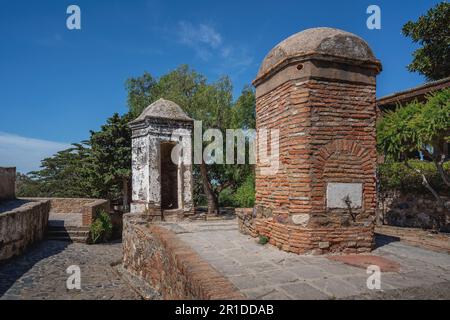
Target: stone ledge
(439, 242)
(170, 266)
(87, 207)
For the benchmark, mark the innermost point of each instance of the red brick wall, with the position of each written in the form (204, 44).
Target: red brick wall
(327, 134)
(343, 140)
(295, 239)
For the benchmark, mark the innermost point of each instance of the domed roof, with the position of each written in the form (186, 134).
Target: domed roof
(163, 109)
(324, 41)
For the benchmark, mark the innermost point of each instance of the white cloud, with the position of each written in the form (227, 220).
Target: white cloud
(26, 153)
(199, 36)
(209, 44)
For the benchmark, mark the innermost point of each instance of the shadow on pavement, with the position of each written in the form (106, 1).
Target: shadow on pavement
(383, 240)
(14, 268)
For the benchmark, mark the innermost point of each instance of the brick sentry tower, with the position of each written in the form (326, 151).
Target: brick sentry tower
(317, 88)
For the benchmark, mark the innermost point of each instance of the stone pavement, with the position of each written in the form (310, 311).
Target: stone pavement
(264, 272)
(41, 273)
(65, 219)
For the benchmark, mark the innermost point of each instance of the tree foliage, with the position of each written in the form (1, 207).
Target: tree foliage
(110, 159)
(101, 166)
(62, 175)
(418, 127)
(432, 33)
(95, 168)
(211, 103)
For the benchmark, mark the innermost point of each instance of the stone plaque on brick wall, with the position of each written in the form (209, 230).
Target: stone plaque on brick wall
(337, 193)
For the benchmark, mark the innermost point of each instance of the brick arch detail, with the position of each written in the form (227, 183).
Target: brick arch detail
(350, 147)
(366, 164)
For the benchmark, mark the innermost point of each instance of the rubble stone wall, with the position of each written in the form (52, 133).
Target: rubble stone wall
(172, 268)
(21, 227)
(413, 211)
(7, 183)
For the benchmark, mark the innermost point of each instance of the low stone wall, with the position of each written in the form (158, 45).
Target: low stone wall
(88, 208)
(413, 211)
(91, 210)
(439, 242)
(7, 183)
(172, 268)
(301, 240)
(21, 227)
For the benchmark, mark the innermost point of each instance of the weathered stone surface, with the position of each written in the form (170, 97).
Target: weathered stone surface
(300, 219)
(162, 123)
(413, 211)
(7, 183)
(327, 41)
(164, 109)
(24, 225)
(339, 193)
(172, 268)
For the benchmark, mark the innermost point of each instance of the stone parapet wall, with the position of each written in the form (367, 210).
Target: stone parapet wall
(91, 210)
(67, 205)
(301, 240)
(157, 256)
(439, 242)
(7, 183)
(88, 208)
(21, 227)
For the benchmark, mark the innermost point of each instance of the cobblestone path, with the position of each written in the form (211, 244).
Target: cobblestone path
(41, 273)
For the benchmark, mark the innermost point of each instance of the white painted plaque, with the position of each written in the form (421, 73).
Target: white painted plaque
(337, 193)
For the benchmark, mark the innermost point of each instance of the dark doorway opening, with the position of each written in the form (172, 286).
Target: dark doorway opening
(169, 178)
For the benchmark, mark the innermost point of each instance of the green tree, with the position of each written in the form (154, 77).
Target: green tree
(26, 187)
(211, 103)
(432, 32)
(62, 175)
(419, 127)
(109, 168)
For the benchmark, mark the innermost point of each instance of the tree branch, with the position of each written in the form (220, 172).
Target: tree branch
(426, 183)
(440, 168)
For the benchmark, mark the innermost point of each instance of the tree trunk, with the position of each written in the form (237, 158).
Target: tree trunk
(427, 185)
(440, 168)
(207, 188)
(125, 194)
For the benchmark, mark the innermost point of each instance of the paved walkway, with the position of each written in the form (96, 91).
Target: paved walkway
(260, 272)
(41, 273)
(264, 272)
(65, 219)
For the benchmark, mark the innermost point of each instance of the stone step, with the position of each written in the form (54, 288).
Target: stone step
(59, 233)
(67, 228)
(68, 239)
(68, 233)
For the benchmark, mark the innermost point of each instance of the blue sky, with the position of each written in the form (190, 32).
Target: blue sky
(57, 84)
